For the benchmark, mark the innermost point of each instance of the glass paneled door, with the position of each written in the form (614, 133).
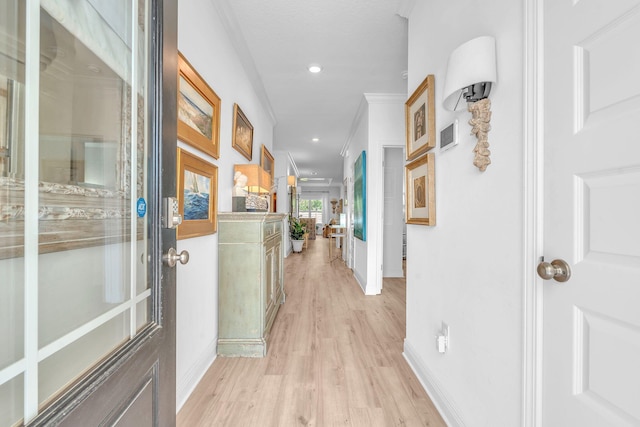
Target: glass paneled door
(86, 307)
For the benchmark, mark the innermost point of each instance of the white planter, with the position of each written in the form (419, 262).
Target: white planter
(297, 245)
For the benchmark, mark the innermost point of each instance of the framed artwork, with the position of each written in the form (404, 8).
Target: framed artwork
(420, 119)
(266, 162)
(242, 139)
(197, 196)
(198, 110)
(360, 197)
(421, 191)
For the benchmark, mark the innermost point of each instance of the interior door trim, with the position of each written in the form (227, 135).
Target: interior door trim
(533, 209)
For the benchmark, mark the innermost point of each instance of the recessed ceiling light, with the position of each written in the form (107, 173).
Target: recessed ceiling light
(315, 139)
(314, 68)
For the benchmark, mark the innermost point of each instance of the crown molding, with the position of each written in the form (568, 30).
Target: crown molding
(368, 99)
(354, 125)
(405, 7)
(233, 30)
(385, 98)
(292, 162)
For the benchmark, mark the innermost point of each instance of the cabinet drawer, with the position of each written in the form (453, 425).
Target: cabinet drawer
(272, 229)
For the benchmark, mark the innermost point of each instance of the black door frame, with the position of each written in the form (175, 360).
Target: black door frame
(146, 364)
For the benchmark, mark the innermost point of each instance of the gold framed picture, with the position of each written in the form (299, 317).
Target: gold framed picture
(421, 191)
(420, 119)
(197, 196)
(198, 110)
(242, 139)
(267, 162)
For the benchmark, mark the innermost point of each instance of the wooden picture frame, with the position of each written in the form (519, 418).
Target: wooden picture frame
(421, 191)
(268, 164)
(242, 139)
(198, 110)
(197, 196)
(420, 119)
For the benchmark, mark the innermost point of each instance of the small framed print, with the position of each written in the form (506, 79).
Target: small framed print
(197, 195)
(198, 110)
(421, 197)
(420, 119)
(242, 138)
(267, 162)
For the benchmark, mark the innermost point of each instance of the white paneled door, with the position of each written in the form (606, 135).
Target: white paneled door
(87, 307)
(591, 336)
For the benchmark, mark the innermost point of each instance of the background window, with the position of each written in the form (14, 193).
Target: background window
(311, 209)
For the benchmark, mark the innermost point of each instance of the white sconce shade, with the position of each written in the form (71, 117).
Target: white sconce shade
(471, 63)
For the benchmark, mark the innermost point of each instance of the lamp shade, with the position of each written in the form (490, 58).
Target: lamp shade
(258, 180)
(472, 62)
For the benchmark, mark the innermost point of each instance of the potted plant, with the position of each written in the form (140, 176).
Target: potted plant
(296, 232)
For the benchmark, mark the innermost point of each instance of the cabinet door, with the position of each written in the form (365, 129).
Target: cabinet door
(278, 290)
(269, 282)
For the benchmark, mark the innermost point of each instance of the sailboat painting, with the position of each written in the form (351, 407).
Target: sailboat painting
(197, 190)
(196, 196)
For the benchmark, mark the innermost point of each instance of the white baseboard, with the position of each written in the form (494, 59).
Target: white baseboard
(393, 274)
(186, 385)
(443, 402)
(361, 281)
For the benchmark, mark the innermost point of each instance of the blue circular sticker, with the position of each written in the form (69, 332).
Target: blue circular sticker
(142, 207)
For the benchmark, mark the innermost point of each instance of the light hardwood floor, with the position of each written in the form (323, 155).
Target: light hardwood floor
(335, 358)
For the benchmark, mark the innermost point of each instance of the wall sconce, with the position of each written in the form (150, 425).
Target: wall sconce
(470, 73)
(291, 182)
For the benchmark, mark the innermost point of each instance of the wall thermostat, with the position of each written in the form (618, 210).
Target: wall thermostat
(449, 136)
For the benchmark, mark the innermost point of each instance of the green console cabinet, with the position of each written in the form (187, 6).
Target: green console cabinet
(251, 281)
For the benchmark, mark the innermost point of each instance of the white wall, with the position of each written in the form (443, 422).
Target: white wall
(378, 124)
(386, 129)
(204, 42)
(359, 142)
(468, 270)
(283, 169)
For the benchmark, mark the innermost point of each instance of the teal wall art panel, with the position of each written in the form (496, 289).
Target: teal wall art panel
(360, 197)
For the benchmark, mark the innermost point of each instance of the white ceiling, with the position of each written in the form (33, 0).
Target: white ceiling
(362, 47)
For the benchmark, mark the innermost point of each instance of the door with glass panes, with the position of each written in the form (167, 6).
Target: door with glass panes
(87, 334)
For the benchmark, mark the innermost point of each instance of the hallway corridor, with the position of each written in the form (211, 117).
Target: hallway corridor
(334, 358)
